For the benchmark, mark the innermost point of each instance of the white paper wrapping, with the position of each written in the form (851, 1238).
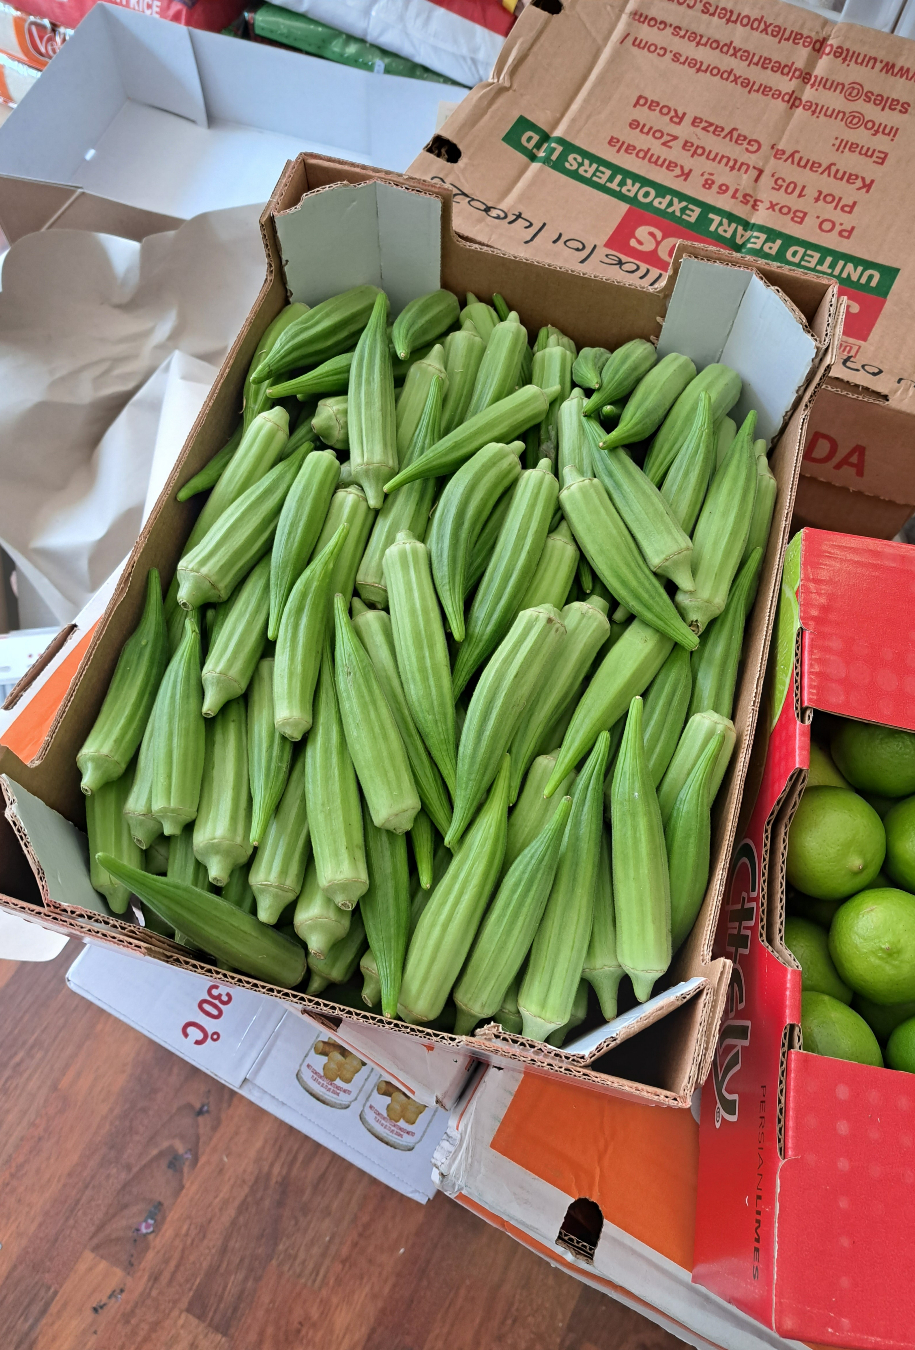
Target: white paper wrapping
(108, 349)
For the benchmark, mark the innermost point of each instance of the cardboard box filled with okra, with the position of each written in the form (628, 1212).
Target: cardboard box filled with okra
(425, 698)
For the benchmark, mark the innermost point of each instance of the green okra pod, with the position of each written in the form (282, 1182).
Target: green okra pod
(686, 482)
(330, 377)
(406, 509)
(611, 550)
(423, 320)
(699, 730)
(557, 958)
(422, 838)
(145, 828)
(237, 892)
(688, 841)
(318, 921)
(370, 408)
(222, 828)
(228, 934)
(301, 521)
(326, 330)
(256, 398)
(463, 354)
(331, 422)
(300, 641)
(238, 641)
(261, 448)
(347, 506)
(651, 400)
(508, 929)
(714, 665)
(602, 969)
(722, 530)
(665, 703)
(178, 745)
(119, 727)
(664, 546)
(211, 472)
(422, 650)
(269, 752)
(412, 399)
(500, 422)
(109, 832)
(339, 963)
(573, 442)
(332, 797)
(452, 912)
(552, 367)
(532, 811)
(484, 318)
(239, 539)
(375, 632)
(503, 691)
(628, 668)
(588, 365)
(555, 571)
(465, 504)
(587, 629)
(576, 1017)
(722, 384)
(509, 571)
(385, 908)
(500, 367)
(373, 740)
(621, 372)
(278, 868)
(641, 882)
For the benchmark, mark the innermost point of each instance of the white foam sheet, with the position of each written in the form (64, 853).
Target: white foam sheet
(101, 339)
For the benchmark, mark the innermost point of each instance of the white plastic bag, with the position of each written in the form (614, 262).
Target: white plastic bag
(108, 349)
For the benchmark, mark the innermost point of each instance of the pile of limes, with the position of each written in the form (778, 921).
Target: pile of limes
(851, 898)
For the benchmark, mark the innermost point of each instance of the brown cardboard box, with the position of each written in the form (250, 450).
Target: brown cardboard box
(612, 130)
(330, 225)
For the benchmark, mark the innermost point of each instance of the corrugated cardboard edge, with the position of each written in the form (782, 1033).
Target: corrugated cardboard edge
(204, 440)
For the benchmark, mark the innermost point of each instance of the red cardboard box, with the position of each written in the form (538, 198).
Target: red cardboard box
(807, 1164)
(211, 15)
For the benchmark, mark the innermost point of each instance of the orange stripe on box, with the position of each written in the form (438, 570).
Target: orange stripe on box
(27, 734)
(638, 1163)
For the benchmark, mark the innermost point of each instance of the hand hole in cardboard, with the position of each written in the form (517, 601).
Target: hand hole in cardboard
(442, 148)
(581, 1228)
(549, 6)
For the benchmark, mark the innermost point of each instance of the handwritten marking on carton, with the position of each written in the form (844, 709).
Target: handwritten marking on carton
(212, 1007)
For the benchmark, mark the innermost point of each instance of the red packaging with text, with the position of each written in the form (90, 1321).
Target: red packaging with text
(807, 1164)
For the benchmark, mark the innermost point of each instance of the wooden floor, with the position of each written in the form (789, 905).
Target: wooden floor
(145, 1207)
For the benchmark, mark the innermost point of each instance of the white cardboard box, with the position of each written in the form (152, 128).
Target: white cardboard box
(264, 1051)
(176, 121)
(477, 1165)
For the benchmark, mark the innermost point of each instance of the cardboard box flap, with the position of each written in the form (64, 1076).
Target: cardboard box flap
(364, 233)
(859, 635)
(159, 68)
(57, 851)
(585, 1049)
(728, 314)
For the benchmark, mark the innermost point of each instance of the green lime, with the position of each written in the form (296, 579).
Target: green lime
(876, 759)
(835, 845)
(808, 907)
(831, 1028)
(822, 771)
(883, 1018)
(900, 1050)
(900, 843)
(810, 945)
(880, 804)
(872, 942)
